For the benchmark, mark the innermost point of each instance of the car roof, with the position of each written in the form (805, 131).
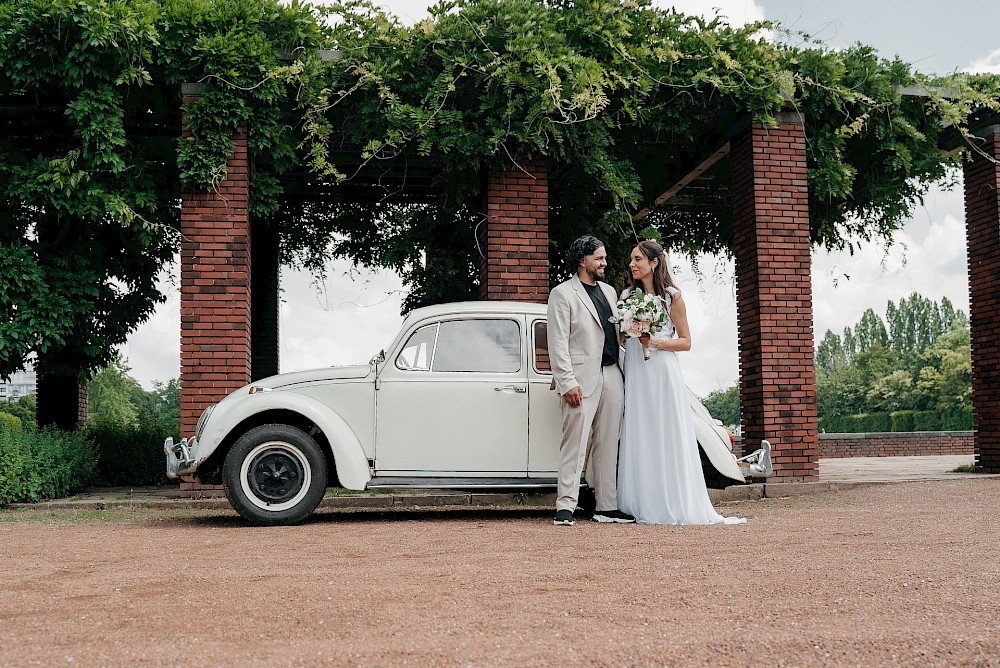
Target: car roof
(487, 307)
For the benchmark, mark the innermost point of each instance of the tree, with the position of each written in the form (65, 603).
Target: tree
(891, 392)
(916, 323)
(945, 375)
(84, 219)
(161, 406)
(842, 393)
(724, 405)
(870, 333)
(23, 408)
(831, 356)
(91, 162)
(921, 363)
(110, 402)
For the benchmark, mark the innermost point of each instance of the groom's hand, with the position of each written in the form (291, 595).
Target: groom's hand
(574, 397)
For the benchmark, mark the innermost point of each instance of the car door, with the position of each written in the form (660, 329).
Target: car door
(453, 401)
(544, 418)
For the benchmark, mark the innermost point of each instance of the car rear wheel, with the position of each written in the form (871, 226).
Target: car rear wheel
(275, 474)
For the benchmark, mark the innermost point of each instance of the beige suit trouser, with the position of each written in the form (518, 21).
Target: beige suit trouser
(591, 430)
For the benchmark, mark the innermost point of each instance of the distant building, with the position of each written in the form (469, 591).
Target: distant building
(21, 384)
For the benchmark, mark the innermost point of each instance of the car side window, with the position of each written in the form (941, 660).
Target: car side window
(418, 350)
(485, 346)
(540, 346)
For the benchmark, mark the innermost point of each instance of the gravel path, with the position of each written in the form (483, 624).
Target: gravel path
(901, 574)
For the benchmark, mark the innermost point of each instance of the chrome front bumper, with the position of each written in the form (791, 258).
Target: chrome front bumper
(758, 463)
(179, 460)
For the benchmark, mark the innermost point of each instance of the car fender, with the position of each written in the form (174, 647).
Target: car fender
(714, 440)
(717, 450)
(348, 455)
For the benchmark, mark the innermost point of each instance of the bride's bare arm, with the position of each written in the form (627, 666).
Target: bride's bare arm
(678, 315)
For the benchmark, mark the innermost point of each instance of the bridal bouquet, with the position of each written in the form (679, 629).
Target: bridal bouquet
(639, 314)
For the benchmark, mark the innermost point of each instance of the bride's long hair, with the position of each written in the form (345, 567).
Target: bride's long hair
(661, 273)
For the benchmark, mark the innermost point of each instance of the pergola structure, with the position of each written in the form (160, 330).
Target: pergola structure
(229, 274)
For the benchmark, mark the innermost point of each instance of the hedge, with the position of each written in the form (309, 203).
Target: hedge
(898, 421)
(40, 465)
(11, 423)
(130, 455)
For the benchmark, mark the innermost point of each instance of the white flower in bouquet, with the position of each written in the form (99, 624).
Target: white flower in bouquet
(639, 313)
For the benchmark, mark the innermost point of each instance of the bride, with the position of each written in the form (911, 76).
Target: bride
(660, 480)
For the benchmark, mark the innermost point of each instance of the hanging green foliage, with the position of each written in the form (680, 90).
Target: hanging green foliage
(377, 153)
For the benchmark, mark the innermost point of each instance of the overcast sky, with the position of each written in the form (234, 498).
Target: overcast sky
(355, 313)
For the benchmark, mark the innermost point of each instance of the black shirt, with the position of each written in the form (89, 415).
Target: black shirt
(610, 354)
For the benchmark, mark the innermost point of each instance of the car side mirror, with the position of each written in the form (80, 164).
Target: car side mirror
(378, 359)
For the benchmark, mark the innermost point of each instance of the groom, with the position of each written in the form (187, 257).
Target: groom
(583, 350)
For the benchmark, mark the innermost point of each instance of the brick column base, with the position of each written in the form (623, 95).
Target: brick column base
(774, 295)
(982, 215)
(514, 239)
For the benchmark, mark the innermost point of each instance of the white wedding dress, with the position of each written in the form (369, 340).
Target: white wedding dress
(660, 480)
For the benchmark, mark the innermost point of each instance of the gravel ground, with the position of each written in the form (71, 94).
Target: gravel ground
(902, 574)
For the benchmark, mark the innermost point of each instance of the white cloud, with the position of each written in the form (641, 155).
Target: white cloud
(153, 351)
(710, 295)
(344, 320)
(928, 256)
(738, 12)
(988, 64)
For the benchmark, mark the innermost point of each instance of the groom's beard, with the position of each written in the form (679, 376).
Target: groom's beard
(597, 274)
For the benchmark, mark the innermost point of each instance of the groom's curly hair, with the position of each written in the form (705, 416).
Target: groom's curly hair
(581, 248)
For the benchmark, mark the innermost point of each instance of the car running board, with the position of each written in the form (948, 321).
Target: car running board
(386, 482)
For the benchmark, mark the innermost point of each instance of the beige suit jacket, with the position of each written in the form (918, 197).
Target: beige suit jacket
(576, 337)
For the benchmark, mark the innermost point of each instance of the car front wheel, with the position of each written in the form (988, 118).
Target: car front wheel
(275, 474)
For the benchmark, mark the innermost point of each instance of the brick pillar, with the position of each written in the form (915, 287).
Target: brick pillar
(774, 295)
(982, 215)
(514, 239)
(215, 290)
(264, 275)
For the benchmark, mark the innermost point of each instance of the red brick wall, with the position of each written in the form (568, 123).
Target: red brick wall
(514, 238)
(982, 215)
(888, 444)
(897, 444)
(215, 290)
(774, 294)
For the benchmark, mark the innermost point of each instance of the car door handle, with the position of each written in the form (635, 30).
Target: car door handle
(520, 389)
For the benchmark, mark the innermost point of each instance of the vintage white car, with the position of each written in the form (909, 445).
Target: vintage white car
(460, 400)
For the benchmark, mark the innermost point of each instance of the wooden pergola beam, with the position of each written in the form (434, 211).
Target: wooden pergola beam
(685, 181)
